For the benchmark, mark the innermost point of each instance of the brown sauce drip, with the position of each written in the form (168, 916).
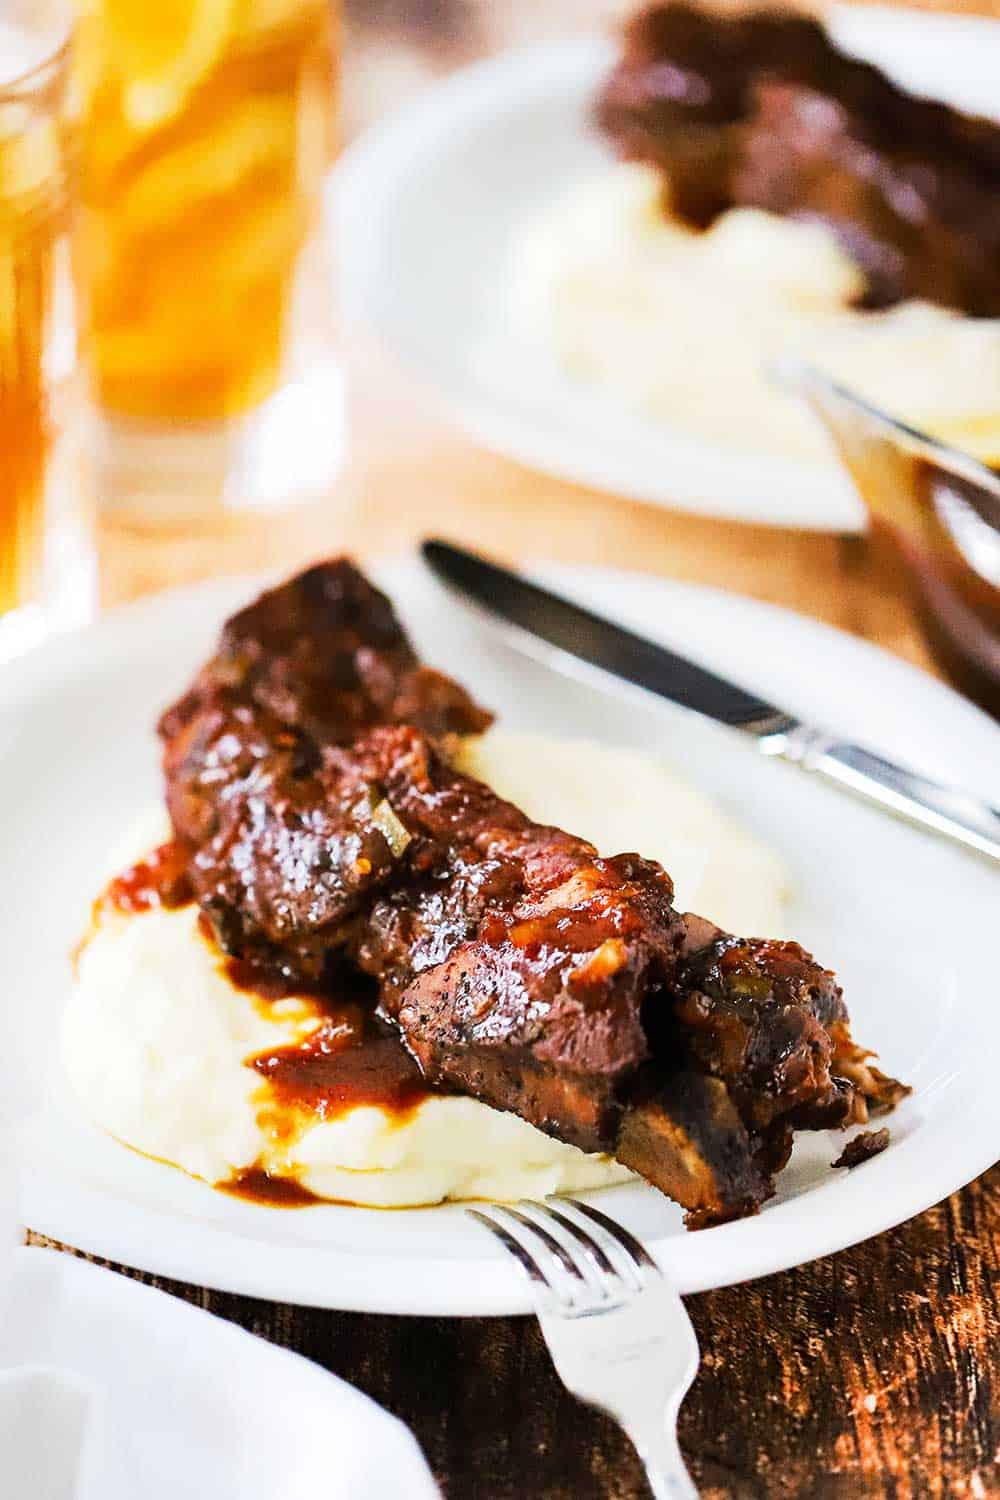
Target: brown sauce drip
(269, 984)
(159, 880)
(258, 1186)
(352, 1059)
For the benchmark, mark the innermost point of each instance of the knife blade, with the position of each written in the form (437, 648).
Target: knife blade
(563, 634)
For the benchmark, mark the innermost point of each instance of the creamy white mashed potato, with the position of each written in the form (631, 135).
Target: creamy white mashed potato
(680, 325)
(157, 1040)
(628, 801)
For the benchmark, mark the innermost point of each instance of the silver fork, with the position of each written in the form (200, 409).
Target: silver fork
(618, 1332)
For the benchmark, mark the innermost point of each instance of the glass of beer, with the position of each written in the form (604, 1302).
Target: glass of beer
(37, 475)
(205, 135)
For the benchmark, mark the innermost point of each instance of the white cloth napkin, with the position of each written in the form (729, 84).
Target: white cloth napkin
(45, 1413)
(111, 1390)
(46, 1419)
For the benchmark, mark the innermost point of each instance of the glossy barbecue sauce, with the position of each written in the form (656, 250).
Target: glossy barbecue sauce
(353, 1058)
(258, 1186)
(160, 880)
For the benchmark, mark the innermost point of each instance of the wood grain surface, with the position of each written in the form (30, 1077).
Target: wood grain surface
(872, 1373)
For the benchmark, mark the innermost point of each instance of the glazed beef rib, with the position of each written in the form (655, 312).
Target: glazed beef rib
(286, 850)
(762, 110)
(309, 780)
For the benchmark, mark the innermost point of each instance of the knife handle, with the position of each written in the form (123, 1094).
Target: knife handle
(956, 815)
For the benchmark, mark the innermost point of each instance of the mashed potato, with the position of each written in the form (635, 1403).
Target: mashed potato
(156, 1039)
(680, 325)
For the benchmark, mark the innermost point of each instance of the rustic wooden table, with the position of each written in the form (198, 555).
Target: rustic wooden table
(871, 1373)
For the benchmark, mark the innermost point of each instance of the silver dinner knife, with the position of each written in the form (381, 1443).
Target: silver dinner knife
(553, 629)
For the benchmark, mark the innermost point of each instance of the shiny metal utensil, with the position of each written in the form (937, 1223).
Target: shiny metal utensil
(564, 635)
(619, 1335)
(941, 510)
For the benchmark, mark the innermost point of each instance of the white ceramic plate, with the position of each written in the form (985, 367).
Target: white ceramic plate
(902, 916)
(429, 205)
(180, 1403)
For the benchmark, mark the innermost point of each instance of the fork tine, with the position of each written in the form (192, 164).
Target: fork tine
(638, 1252)
(513, 1246)
(594, 1251)
(555, 1247)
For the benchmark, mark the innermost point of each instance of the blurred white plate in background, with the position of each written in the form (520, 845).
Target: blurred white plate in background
(428, 206)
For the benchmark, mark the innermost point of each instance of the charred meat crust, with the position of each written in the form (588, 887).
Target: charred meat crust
(762, 110)
(684, 1134)
(758, 1015)
(323, 829)
(862, 1148)
(315, 662)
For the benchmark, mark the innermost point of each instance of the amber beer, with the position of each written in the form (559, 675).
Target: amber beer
(205, 134)
(32, 211)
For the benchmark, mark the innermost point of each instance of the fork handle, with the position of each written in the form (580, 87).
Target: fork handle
(657, 1446)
